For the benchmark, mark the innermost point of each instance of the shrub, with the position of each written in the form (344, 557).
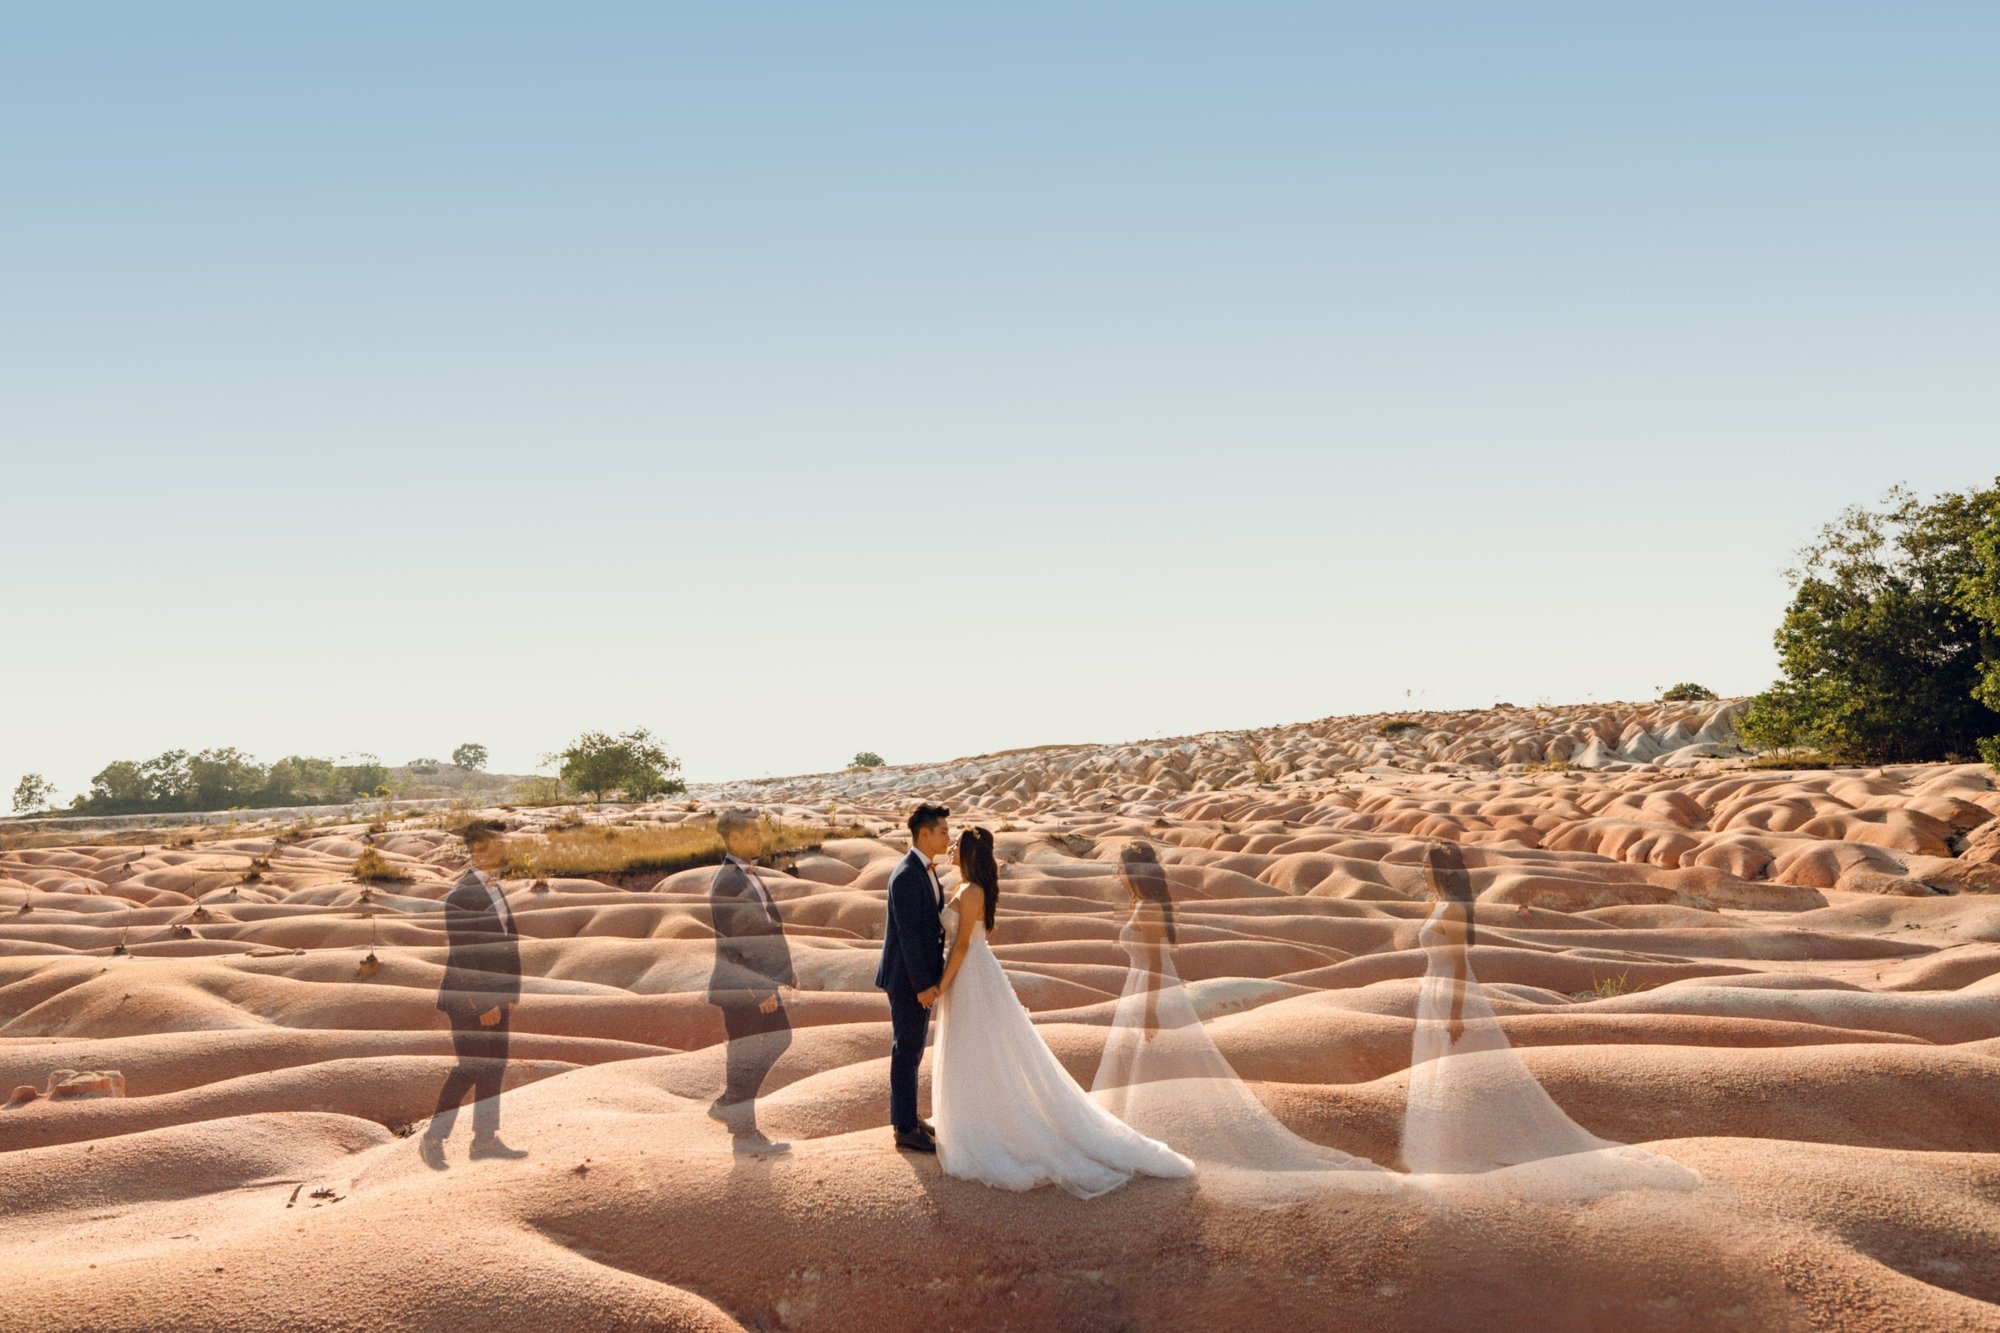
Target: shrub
(539, 791)
(865, 759)
(1688, 692)
(374, 868)
(1891, 647)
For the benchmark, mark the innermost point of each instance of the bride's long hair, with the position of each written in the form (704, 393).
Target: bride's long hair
(976, 863)
(1146, 880)
(1448, 881)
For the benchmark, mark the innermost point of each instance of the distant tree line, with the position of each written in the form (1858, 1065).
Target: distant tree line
(633, 766)
(1890, 650)
(225, 779)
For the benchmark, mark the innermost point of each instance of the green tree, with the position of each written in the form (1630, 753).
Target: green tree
(1889, 646)
(219, 779)
(33, 792)
(119, 786)
(298, 780)
(469, 756)
(169, 781)
(359, 778)
(1687, 692)
(1979, 597)
(866, 759)
(633, 764)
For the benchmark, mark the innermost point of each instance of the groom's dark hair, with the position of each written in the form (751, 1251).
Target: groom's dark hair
(926, 816)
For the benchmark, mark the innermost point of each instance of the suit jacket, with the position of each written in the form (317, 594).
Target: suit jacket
(750, 950)
(483, 966)
(913, 938)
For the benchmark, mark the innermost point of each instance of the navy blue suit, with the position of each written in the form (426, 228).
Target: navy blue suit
(912, 962)
(482, 971)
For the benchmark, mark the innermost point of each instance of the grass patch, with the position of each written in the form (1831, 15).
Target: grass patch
(1607, 988)
(1782, 759)
(600, 850)
(1399, 726)
(374, 868)
(1553, 766)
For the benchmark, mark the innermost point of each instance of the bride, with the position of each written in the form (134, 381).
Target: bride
(1477, 1118)
(1162, 1074)
(1007, 1112)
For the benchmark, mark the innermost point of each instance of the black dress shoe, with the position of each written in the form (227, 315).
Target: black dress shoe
(489, 1147)
(927, 1127)
(915, 1140)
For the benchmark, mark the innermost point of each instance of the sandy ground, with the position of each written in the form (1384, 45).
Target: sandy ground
(1787, 981)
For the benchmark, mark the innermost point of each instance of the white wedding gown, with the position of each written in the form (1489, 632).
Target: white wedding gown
(1479, 1120)
(1007, 1113)
(1174, 1083)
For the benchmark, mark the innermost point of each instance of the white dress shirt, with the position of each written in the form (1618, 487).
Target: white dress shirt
(930, 868)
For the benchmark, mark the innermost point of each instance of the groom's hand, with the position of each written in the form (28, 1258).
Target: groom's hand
(927, 998)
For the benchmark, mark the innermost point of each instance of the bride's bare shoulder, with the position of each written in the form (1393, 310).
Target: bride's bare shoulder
(971, 893)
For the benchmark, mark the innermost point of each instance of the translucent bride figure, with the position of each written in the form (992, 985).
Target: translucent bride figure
(1478, 1121)
(1162, 1074)
(1007, 1112)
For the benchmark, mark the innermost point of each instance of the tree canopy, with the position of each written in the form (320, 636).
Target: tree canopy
(34, 792)
(1890, 650)
(634, 765)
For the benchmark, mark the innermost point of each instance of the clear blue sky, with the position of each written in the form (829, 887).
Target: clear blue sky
(799, 378)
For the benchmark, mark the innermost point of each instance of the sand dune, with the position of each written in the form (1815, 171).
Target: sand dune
(1786, 981)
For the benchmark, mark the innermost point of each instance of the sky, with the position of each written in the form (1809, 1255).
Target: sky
(797, 379)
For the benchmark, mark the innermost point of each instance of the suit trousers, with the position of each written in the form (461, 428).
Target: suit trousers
(756, 1040)
(481, 1068)
(910, 1026)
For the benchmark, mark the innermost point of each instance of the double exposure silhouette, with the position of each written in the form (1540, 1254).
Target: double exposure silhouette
(1477, 1118)
(482, 984)
(752, 964)
(1162, 1074)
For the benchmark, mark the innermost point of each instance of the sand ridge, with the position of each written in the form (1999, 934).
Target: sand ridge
(1787, 981)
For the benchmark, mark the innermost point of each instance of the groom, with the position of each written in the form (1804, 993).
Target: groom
(912, 966)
